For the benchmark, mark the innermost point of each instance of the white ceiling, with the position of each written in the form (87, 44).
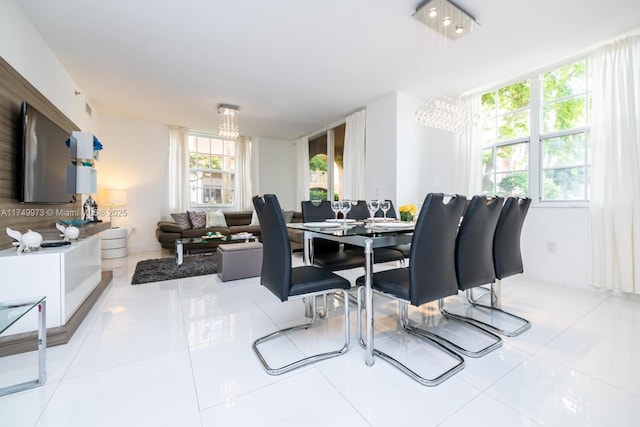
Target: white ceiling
(294, 66)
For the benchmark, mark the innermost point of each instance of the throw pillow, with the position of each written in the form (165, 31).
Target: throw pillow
(198, 219)
(182, 219)
(254, 219)
(288, 216)
(216, 219)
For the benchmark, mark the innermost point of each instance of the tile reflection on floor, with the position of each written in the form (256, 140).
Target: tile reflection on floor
(178, 353)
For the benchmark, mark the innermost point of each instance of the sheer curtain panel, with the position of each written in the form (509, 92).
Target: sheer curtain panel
(468, 174)
(243, 174)
(614, 208)
(354, 156)
(302, 145)
(179, 200)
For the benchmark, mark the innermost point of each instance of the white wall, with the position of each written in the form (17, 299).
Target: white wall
(134, 158)
(276, 170)
(22, 46)
(381, 134)
(567, 229)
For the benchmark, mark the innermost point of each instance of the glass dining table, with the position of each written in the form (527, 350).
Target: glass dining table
(368, 236)
(10, 313)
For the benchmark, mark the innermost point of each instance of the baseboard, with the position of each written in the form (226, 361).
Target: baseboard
(27, 341)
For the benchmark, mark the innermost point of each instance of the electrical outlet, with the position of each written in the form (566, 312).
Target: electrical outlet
(551, 247)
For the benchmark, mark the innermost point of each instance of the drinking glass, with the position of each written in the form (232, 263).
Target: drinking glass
(385, 205)
(373, 206)
(335, 207)
(345, 207)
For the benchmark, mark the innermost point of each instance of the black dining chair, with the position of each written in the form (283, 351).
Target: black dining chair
(359, 212)
(488, 250)
(431, 276)
(474, 250)
(326, 253)
(288, 283)
(507, 257)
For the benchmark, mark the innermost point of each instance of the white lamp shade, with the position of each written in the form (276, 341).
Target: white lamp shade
(116, 197)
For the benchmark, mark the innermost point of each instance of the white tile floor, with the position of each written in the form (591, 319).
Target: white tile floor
(178, 353)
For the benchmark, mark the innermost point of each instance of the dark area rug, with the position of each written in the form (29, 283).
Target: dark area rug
(156, 270)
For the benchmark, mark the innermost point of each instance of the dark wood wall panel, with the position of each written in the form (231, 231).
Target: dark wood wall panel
(13, 90)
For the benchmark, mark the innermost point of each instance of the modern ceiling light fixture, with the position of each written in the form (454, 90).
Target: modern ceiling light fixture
(454, 17)
(441, 111)
(229, 124)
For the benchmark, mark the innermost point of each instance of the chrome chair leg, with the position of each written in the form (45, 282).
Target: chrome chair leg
(406, 324)
(310, 359)
(430, 382)
(514, 333)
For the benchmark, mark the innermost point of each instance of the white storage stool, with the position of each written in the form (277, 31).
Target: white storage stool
(114, 243)
(239, 260)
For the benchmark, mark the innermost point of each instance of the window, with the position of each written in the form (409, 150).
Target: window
(553, 108)
(326, 149)
(564, 134)
(505, 136)
(212, 166)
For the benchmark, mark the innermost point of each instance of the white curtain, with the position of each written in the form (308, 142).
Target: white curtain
(178, 182)
(468, 146)
(243, 174)
(614, 208)
(302, 145)
(354, 156)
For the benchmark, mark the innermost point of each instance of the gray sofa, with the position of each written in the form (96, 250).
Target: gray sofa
(167, 232)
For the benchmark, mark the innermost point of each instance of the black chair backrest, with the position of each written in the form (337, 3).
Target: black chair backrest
(507, 258)
(318, 212)
(432, 271)
(276, 254)
(391, 213)
(359, 211)
(474, 243)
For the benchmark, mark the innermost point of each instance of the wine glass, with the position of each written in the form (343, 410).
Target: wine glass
(373, 206)
(335, 207)
(385, 205)
(345, 207)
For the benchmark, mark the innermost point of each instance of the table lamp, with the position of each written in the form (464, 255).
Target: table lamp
(115, 198)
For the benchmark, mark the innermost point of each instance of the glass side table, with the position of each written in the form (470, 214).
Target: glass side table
(10, 313)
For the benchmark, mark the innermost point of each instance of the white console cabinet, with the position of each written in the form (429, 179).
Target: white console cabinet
(66, 275)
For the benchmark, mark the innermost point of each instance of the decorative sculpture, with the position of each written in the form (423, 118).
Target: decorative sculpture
(90, 209)
(68, 233)
(25, 242)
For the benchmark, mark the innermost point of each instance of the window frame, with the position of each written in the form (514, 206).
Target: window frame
(496, 143)
(536, 105)
(228, 172)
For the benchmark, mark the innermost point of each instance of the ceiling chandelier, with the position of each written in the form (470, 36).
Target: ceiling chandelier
(229, 123)
(439, 111)
(446, 18)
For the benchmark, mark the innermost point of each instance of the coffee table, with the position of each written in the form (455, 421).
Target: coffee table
(181, 251)
(10, 313)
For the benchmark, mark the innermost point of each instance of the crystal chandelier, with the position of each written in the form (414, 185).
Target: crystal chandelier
(447, 113)
(440, 111)
(229, 124)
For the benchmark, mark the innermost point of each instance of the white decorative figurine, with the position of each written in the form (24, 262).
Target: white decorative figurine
(27, 241)
(69, 232)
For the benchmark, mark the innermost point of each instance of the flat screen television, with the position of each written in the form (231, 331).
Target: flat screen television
(45, 156)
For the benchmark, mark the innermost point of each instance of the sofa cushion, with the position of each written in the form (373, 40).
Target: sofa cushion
(254, 219)
(215, 219)
(288, 216)
(182, 220)
(235, 229)
(198, 219)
